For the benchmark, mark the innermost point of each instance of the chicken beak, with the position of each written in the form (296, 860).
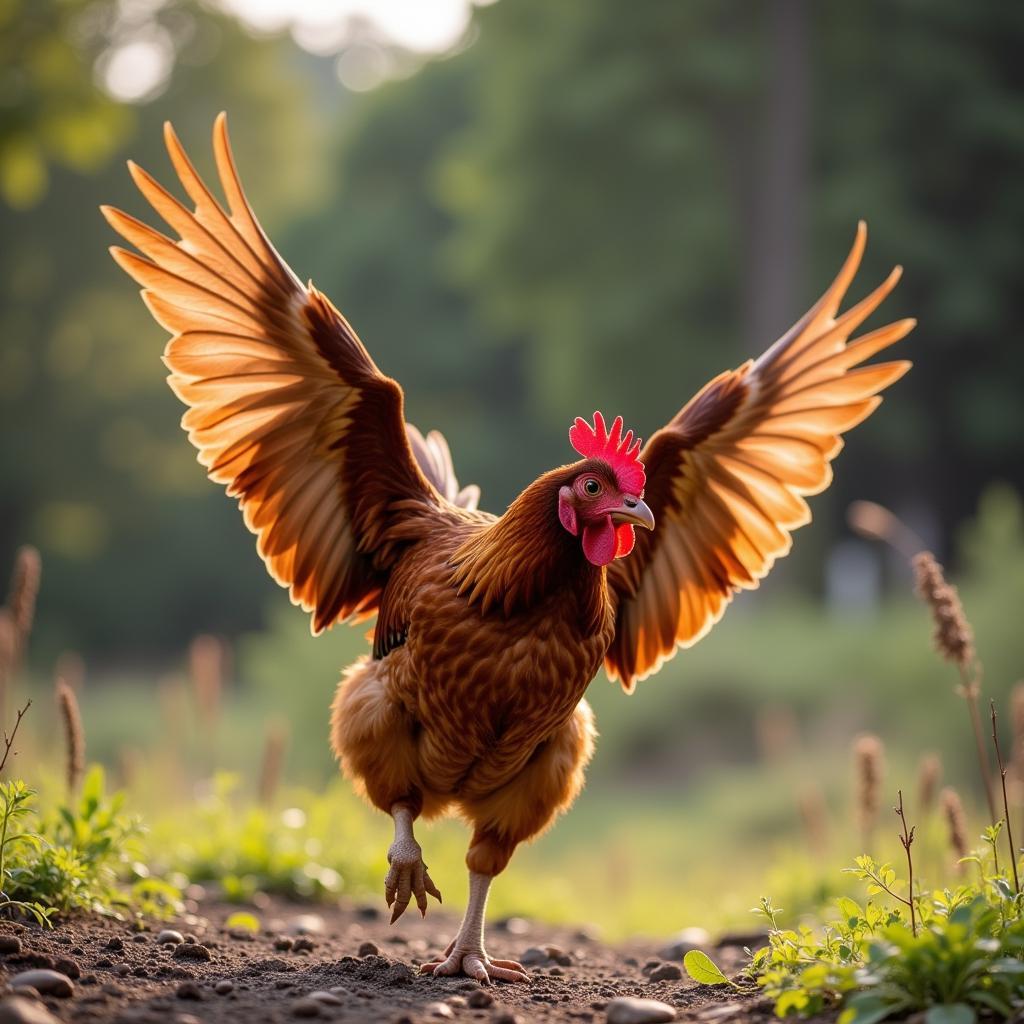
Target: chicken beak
(635, 511)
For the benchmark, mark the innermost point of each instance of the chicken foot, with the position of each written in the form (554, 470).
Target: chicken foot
(407, 876)
(465, 954)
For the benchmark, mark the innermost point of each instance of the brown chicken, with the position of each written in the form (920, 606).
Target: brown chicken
(488, 629)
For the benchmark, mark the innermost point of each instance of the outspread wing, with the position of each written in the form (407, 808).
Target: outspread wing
(725, 478)
(286, 407)
(434, 457)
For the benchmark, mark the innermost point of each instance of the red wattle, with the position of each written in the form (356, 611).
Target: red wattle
(625, 538)
(600, 541)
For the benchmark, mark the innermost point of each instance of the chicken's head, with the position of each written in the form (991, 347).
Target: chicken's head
(604, 501)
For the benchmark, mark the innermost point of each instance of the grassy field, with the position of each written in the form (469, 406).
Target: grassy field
(693, 807)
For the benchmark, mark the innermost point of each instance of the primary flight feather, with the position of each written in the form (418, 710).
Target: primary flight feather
(488, 629)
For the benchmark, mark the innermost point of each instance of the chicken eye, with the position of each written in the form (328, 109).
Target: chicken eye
(592, 487)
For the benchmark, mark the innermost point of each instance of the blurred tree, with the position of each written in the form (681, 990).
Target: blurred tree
(139, 550)
(584, 208)
(631, 194)
(51, 112)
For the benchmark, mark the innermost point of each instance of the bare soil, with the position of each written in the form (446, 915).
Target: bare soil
(359, 967)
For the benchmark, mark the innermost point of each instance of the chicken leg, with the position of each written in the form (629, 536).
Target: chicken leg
(465, 954)
(407, 876)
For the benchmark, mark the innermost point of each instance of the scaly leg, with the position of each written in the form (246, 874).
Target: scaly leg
(466, 954)
(408, 874)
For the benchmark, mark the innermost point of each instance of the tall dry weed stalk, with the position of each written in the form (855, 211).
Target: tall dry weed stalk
(776, 733)
(929, 777)
(16, 618)
(1006, 800)
(275, 747)
(71, 668)
(876, 522)
(869, 763)
(954, 641)
(21, 599)
(8, 658)
(956, 824)
(814, 816)
(206, 657)
(1017, 750)
(74, 737)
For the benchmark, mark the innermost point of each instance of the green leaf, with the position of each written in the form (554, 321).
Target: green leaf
(703, 969)
(867, 1009)
(950, 1013)
(241, 921)
(794, 1000)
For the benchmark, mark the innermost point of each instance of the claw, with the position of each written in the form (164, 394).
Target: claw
(407, 878)
(475, 963)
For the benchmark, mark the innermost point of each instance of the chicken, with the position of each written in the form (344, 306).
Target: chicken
(488, 629)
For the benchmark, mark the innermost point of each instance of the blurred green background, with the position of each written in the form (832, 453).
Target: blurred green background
(531, 210)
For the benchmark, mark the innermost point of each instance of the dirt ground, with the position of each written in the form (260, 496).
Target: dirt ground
(344, 963)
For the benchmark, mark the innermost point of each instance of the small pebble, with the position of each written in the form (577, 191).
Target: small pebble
(369, 949)
(666, 972)
(559, 955)
(122, 970)
(191, 951)
(222, 988)
(306, 1008)
(186, 1018)
(438, 1010)
(534, 957)
(188, 990)
(10, 944)
(68, 967)
(139, 937)
(506, 1017)
(459, 1002)
(49, 983)
(116, 944)
(639, 1011)
(479, 999)
(283, 943)
(325, 998)
(169, 937)
(15, 1010)
(687, 940)
(303, 944)
(307, 924)
(720, 1012)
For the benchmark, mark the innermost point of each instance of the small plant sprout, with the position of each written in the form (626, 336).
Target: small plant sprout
(14, 804)
(1006, 802)
(906, 841)
(9, 740)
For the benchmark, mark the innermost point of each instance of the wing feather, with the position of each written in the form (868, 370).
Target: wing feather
(727, 477)
(284, 404)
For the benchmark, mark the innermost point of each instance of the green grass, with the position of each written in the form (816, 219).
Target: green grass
(690, 814)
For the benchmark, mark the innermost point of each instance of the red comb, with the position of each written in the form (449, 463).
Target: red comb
(595, 442)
